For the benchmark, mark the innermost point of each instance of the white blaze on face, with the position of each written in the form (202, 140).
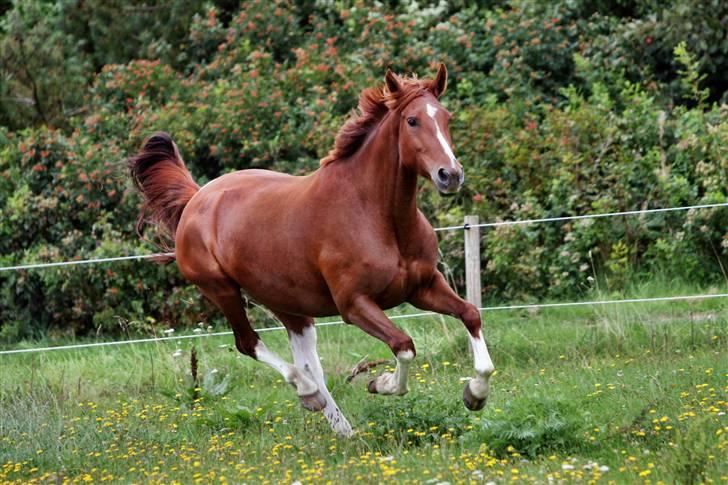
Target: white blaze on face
(431, 111)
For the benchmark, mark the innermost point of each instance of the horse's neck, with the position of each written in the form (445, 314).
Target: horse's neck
(382, 178)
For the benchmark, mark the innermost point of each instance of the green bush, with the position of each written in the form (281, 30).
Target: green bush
(532, 426)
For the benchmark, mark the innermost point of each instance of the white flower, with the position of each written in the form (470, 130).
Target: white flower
(566, 466)
(177, 353)
(604, 468)
(169, 331)
(197, 330)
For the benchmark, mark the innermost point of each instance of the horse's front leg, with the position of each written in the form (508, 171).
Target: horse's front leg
(440, 298)
(365, 314)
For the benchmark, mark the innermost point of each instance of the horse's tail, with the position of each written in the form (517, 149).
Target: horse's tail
(167, 186)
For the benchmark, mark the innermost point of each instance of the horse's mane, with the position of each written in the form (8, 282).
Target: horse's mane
(374, 103)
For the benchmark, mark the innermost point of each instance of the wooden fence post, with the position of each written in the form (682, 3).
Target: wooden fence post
(472, 260)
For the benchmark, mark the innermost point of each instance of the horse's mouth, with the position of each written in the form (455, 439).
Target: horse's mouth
(446, 190)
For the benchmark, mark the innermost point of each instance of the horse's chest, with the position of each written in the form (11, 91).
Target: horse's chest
(409, 275)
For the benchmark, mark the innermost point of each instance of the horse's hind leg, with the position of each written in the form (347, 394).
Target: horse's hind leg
(302, 335)
(226, 295)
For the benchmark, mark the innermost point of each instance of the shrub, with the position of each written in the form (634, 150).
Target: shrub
(532, 426)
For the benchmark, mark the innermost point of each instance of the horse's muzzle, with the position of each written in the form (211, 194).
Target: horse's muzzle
(448, 180)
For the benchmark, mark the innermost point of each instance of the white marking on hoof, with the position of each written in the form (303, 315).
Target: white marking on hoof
(303, 384)
(313, 402)
(394, 383)
(387, 384)
(306, 358)
(337, 421)
(405, 356)
(471, 402)
(480, 386)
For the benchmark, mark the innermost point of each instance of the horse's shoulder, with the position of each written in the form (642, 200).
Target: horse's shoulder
(424, 234)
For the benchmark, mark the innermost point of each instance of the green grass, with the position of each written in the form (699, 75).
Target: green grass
(622, 393)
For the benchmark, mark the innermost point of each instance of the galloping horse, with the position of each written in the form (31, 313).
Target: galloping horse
(347, 239)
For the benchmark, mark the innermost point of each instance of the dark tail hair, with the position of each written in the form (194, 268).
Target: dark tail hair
(167, 186)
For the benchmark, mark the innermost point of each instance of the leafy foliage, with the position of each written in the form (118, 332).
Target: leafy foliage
(532, 426)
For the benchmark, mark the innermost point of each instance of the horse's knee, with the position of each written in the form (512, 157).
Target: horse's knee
(403, 345)
(471, 318)
(246, 346)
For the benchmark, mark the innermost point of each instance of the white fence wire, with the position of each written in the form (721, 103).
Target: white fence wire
(83, 261)
(437, 229)
(391, 317)
(585, 216)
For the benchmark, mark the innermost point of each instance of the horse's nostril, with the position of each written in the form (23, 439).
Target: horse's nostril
(443, 175)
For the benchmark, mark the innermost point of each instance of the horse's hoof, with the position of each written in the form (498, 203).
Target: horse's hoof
(313, 402)
(372, 386)
(472, 402)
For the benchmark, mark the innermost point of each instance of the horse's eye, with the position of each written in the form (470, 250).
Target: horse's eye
(412, 121)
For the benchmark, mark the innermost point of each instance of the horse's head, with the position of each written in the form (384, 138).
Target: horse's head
(425, 145)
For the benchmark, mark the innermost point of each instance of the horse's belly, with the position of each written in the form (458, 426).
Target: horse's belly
(289, 288)
(309, 304)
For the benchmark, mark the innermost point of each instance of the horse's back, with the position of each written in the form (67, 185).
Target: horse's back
(247, 179)
(242, 196)
(255, 227)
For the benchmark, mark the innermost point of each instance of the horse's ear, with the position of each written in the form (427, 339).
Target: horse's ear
(392, 82)
(439, 84)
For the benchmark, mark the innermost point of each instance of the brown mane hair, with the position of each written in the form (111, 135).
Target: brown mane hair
(374, 103)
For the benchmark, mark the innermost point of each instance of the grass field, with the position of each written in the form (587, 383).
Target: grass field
(621, 394)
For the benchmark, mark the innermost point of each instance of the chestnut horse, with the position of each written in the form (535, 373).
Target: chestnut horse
(347, 239)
